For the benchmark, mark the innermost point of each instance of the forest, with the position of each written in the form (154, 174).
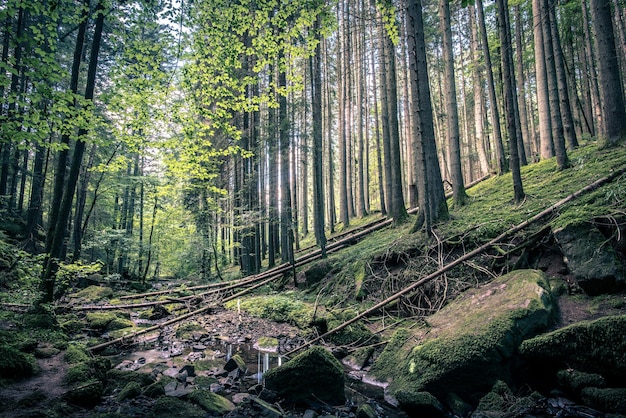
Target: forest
(215, 144)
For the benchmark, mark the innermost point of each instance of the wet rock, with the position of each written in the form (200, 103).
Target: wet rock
(470, 343)
(198, 347)
(420, 404)
(312, 375)
(211, 402)
(589, 346)
(265, 409)
(235, 362)
(240, 397)
(605, 399)
(268, 395)
(131, 390)
(593, 262)
(159, 312)
(309, 413)
(86, 395)
(176, 389)
(366, 411)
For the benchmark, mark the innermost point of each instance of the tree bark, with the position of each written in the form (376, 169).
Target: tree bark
(610, 85)
(451, 106)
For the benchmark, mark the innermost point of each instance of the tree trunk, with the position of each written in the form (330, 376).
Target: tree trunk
(495, 114)
(509, 96)
(341, 123)
(556, 120)
(610, 85)
(451, 106)
(521, 89)
(479, 94)
(51, 266)
(431, 196)
(377, 127)
(318, 180)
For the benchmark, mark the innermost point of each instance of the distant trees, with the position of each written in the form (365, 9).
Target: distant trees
(224, 136)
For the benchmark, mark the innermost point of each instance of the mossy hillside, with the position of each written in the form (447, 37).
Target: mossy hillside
(491, 212)
(596, 346)
(466, 346)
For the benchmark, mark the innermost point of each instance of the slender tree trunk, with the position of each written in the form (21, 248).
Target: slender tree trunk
(543, 102)
(610, 85)
(479, 94)
(521, 84)
(318, 180)
(561, 78)
(432, 200)
(556, 120)
(56, 246)
(377, 133)
(397, 206)
(81, 199)
(451, 106)
(495, 115)
(341, 128)
(286, 227)
(509, 97)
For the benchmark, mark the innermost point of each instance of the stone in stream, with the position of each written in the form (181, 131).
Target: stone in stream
(177, 389)
(235, 362)
(312, 376)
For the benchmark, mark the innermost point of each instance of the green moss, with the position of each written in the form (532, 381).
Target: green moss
(392, 356)
(93, 293)
(353, 334)
(605, 399)
(204, 382)
(86, 395)
(267, 343)
(211, 402)
(87, 371)
(15, 364)
(317, 271)
(156, 389)
(417, 403)
(575, 381)
(120, 378)
(186, 330)
(591, 346)
(118, 333)
(76, 353)
(279, 308)
(314, 374)
(131, 390)
(120, 323)
(72, 326)
(166, 407)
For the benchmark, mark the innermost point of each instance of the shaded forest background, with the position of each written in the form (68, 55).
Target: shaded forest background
(157, 138)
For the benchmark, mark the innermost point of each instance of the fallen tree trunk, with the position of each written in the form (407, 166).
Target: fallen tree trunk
(465, 257)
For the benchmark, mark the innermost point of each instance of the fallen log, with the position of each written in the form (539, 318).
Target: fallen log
(464, 257)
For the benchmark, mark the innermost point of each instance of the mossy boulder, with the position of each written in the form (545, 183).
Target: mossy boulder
(468, 345)
(596, 346)
(109, 320)
(211, 402)
(86, 395)
(575, 381)
(594, 263)
(419, 404)
(314, 375)
(118, 379)
(317, 272)
(87, 371)
(93, 294)
(131, 390)
(167, 407)
(605, 399)
(15, 364)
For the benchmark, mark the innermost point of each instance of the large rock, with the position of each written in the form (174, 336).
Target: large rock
(591, 259)
(314, 375)
(597, 346)
(468, 345)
